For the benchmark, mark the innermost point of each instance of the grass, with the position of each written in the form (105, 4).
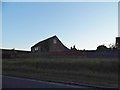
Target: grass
(91, 71)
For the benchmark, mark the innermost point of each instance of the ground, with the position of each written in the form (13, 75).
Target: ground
(88, 71)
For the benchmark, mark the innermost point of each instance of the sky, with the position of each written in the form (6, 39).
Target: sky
(83, 24)
(119, 19)
(0, 24)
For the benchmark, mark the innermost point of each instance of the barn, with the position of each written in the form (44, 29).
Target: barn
(52, 44)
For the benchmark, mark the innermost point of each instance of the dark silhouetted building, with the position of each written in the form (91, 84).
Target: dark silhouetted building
(118, 42)
(52, 44)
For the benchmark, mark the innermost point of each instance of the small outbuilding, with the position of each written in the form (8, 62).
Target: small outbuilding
(52, 44)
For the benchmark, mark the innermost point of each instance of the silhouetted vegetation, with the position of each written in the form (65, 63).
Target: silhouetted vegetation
(102, 47)
(112, 46)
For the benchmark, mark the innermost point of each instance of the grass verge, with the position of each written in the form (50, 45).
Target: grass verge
(90, 71)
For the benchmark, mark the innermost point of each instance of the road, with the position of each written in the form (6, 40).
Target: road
(15, 82)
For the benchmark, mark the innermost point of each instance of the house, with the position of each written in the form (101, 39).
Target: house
(52, 44)
(118, 42)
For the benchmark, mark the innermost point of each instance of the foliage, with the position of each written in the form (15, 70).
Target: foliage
(112, 46)
(102, 47)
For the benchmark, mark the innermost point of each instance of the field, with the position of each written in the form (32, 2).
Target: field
(87, 71)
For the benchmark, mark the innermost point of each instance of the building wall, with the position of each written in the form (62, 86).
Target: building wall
(118, 42)
(102, 54)
(50, 45)
(56, 45)
(43, 47)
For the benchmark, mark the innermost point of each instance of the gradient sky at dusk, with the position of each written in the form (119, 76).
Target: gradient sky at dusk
(83, 24)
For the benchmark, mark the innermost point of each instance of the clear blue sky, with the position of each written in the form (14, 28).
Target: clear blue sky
(85, 25)
(0, 25)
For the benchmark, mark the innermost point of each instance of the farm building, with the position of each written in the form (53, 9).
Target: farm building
(118, 42)
(52, 44)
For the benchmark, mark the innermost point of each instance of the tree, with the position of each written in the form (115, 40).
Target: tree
(102, 47)
(112, 46)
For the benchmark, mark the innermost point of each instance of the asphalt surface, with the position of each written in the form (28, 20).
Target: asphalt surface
(15, 82)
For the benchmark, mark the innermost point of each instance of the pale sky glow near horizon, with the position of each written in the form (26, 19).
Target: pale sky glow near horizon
(83, 24)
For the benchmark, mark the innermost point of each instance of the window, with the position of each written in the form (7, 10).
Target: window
(36, 48)
(54, 41)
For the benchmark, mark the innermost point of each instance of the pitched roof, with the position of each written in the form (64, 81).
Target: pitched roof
(45, 40)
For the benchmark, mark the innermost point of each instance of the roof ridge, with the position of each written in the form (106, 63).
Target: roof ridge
(45, 40)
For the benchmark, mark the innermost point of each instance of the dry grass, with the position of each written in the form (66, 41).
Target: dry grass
(92, 71)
